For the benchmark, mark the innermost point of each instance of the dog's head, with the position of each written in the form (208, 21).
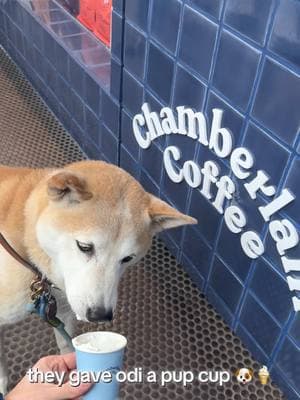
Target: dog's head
(244, 375)
(94, 220)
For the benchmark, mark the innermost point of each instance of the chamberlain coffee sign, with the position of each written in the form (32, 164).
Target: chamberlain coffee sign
(148, 125)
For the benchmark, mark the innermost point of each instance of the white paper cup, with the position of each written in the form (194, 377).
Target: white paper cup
(99, 352)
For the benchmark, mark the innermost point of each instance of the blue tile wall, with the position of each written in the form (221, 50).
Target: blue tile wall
(222, 54)
(237, 55)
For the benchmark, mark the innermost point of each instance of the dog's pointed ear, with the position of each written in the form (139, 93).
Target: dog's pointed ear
(69, 186)
(164, 216)
(237, 372)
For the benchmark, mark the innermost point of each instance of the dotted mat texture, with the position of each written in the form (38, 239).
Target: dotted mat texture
(168, 323)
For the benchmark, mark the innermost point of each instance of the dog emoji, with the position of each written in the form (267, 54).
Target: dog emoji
(244, 375)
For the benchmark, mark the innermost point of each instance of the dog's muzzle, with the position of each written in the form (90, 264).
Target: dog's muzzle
(99, 314)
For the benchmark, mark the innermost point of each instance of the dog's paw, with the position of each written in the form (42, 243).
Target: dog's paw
(3, 384)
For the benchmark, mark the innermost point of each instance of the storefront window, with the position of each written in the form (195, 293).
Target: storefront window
(95, 15)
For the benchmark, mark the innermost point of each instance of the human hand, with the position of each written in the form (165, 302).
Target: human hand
(25, 390)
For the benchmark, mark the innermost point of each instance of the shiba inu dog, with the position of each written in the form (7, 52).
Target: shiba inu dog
(81, 225)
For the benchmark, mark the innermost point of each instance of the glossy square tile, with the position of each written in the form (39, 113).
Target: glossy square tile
(250, 342)
(117, 35)
(116, 70)
(110, 113)
(77, 76)
(197, 54)
(257, 142)
(128, 163)
(162, 87)
(230, 250)
(49, 47)
(272, 290)
(272, 254)
(92, 125)
(294, 331)
(249, 17)
(250, 207)
(92, 57)
(62, 61)
(102, 74)
(92, 151)
(37, 35)
(281, 381)
(80, 42)
(292, 183)
(232, 119)
(151, 161)
(132, 93)
(192, 271)
(50, 75)
(279, 89)
(109, 145)
(175, 191)
(288, 360)
(118, 5)
(53, 16)
(207, 216)
(212, 7)
(165, 22)
(148, 184)
(134, 52)
(217, 302)
(259, 324)
(64, 94)
(77, 109)
(137, 11)
(127, 136)
(285, 39)
(187, 147)
(235, 59)
(92, 93)
(189, 91)
(67, 28)
(225, 284)
(197, 251)
(43, 5)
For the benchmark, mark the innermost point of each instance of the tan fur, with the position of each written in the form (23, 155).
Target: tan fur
(24, 195)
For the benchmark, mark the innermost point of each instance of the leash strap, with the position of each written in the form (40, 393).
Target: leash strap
(21, 260)
(44, 305)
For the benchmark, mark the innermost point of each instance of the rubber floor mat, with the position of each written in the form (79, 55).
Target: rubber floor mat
(169, 325)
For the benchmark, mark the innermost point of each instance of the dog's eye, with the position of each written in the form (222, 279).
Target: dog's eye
(85, 247)
(127, 259)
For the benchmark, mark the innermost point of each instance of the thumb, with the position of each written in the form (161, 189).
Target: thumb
(67, 391)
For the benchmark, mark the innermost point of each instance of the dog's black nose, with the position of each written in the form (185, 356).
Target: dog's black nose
(98, 314)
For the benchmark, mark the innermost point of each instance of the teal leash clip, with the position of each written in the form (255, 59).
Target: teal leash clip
(44, 305)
